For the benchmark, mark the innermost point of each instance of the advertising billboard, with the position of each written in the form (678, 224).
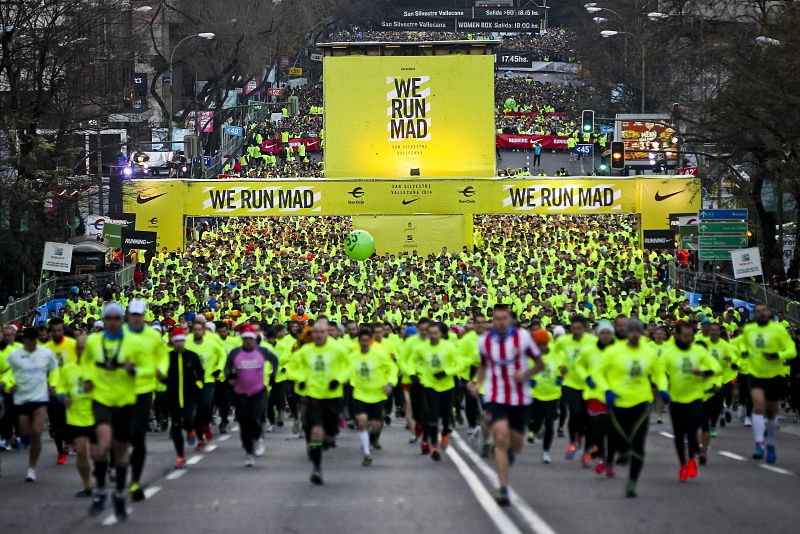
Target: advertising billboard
(409, 116)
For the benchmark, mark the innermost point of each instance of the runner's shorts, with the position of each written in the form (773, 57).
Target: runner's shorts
(517, 416)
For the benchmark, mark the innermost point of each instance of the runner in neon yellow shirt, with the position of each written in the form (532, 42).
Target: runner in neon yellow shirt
(372, 375)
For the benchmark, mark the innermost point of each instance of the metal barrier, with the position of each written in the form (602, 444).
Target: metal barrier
(707, 283)
(21, 308)
(94, 281)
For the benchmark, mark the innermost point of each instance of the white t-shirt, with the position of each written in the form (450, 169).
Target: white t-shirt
(30, 372)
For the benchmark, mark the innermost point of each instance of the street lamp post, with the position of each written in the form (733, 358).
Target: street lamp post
(202, 35)
(611, 33)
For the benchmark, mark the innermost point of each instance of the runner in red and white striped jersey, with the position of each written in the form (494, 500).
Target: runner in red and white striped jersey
(504, 375)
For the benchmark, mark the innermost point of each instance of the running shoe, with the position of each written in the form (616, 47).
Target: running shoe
(772, 455)
(296, 426)
(83, 493)
(758, 453)
(683, 473)
(201, 445)
(223, 428)
(316, 476)
(546, 458)
(425, 447)
(30, 476)
(413, 440)
(98, 503)
(713, 432)
(691, 465)
(703, 458)
(62, 458)
(120, 512)
(436, 455)
(728, 416)
(571, 448)
(269, 429)
(531, 438)
(137, 494)
(367, 461)
(180, 463)
(659, 420)
(259, 448)
(249, 460)
(376, 445)
(445, 441)
(748, 422)
(611, 471)
(586, 459)
(600, 467)
(4, 445)
(191, 439)
(630, 489)
(387, 419)
(501, 497)
(208, 435)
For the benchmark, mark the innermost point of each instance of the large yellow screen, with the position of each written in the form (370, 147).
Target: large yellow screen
(397, 117)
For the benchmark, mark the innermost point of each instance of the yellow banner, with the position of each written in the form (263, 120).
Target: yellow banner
(423, 234)
(160, 205)
(659, 197)
(401, 116)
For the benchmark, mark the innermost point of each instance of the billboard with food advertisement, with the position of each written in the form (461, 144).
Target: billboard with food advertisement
(645, 136)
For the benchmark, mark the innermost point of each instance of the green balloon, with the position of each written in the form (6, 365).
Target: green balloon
(510, 103)
(359, 245)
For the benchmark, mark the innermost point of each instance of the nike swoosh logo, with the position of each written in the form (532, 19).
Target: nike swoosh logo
(406, 202)
(660, 197)
(140, 200)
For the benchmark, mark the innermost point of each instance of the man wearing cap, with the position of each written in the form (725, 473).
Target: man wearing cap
(249, 369)
(112, 359)
(184, 380)
(154, 355)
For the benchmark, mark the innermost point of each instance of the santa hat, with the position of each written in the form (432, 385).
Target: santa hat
(178, 334)
(249, 331)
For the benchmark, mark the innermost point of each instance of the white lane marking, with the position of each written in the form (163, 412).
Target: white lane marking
(194, 459)
(224, 437)
(667, 435)
(492, 509)
(175, 475)
(779, 470)
(212, 447)
(234, 429)
(150, 492)
(534, 520)
(732, 455)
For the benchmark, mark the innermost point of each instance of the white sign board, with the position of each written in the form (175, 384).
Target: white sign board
(57, 257)
(94, 225)
(746, 262)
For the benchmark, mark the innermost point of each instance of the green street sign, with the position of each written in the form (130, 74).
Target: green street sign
(721, 241)
(688, 230)
(689, 243)
(712, 255)
(723, 227)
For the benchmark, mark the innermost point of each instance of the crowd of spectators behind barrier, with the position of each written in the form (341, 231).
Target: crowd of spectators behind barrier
(556, 44)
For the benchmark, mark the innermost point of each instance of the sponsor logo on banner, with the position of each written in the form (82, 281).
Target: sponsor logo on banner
(144, 200)
(356, 193)
(658, 239)
(565, 198)
(659, 197)
(468, 192)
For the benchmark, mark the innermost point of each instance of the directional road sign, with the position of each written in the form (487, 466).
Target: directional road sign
(723, 215)
(722, 241)
(723, 227)
(711, 255)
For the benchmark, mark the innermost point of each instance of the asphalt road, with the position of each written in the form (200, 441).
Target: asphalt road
(406, 492)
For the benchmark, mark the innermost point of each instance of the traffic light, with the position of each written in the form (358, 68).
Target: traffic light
(587, 121)
(617, 155)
